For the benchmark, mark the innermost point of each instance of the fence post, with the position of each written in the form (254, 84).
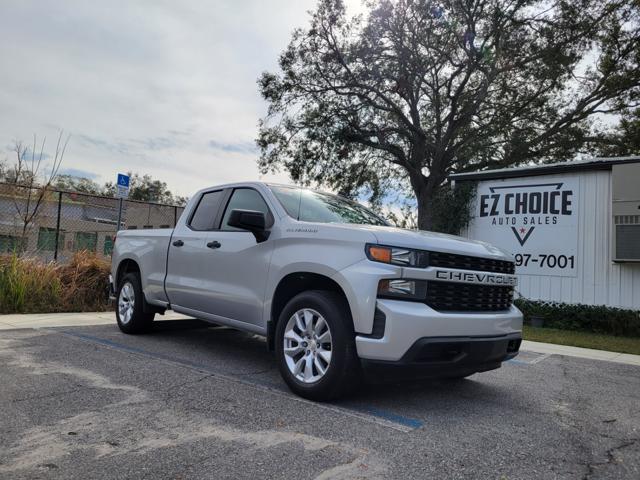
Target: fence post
(175, 216)
(55, 251)
(119, 216)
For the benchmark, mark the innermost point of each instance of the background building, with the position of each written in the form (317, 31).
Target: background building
(574, 228)
(78, 221)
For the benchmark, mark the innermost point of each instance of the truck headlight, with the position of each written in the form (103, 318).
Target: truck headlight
(403, 257)
(403, 289)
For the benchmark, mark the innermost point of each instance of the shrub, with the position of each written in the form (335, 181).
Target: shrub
(29, 285)
(586, 318)
(84, 283)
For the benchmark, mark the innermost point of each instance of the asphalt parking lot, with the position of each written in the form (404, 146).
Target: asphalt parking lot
(194, 401)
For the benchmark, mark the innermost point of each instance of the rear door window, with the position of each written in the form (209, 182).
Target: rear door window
(205, 214)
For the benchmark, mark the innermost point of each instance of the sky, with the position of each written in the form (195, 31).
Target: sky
(164, 88)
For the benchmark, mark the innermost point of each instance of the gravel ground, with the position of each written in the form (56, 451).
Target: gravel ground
(193, 401)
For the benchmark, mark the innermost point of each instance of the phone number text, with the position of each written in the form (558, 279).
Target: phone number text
(545, 260)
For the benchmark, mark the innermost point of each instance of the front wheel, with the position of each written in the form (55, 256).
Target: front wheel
(130, 311)
(315, 346)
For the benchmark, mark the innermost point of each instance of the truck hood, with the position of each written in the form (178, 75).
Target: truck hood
(441, 242)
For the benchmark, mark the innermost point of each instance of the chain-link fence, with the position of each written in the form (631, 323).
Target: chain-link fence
(53, 224)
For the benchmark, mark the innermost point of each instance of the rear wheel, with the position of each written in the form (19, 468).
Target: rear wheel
(130, 309)
(315, 346)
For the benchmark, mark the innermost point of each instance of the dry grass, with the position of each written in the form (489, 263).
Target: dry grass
(28, 285)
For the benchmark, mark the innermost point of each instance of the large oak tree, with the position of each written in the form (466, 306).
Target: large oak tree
(413, 90)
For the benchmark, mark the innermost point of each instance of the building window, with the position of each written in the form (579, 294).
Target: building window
(8, 243)
(86, 241)
(108, 245)
(47, 239)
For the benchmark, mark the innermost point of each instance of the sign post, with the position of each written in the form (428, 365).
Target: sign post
(122, 192)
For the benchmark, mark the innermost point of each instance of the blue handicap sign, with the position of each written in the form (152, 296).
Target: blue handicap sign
(123, 180)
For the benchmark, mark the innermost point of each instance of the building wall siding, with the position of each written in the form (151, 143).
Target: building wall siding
(599, 281)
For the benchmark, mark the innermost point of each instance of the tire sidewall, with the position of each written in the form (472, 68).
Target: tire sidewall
(139, 320)
(336, 313)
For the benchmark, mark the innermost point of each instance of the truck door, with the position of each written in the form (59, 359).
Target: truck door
(236, 264)
(188, 280)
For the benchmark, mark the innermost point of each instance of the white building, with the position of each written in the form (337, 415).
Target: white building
(574, 228)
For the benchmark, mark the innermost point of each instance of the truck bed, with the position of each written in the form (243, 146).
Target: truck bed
(149, 249)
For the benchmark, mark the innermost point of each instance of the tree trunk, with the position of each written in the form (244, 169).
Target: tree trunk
(424, 197)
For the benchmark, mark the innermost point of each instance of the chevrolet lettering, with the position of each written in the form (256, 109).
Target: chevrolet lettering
(476, 277)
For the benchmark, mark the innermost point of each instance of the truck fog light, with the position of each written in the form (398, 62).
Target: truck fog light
(401, 288)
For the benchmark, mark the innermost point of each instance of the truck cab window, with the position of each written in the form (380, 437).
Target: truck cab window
(311, 206)
(206, 211)
(244, 199)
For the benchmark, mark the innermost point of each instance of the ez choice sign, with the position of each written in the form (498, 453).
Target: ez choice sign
(534, 219)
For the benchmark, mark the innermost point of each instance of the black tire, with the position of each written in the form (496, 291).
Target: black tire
(140, 320)
(343, 372)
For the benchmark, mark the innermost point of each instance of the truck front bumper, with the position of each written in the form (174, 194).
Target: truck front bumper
(446, 357)
(414, 335)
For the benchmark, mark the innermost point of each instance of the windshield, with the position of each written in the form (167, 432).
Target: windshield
(310, 206)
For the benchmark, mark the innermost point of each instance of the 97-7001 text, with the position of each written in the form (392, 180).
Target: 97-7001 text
(545, 260)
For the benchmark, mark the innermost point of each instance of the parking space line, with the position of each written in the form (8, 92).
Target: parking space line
(368, 414)
(538, 359)
(412, 423)
(517, 362)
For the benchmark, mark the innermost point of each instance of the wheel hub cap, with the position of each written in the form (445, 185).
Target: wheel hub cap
(126, 303)
(307, 345)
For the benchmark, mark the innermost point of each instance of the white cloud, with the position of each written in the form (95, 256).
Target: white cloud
(166, 88)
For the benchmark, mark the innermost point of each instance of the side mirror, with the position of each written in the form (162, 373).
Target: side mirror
(250, 220)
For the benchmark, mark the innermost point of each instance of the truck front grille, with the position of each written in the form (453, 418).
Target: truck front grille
(465, 297)
(466, 262)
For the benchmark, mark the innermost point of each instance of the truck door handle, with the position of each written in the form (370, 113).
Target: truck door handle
(178, 243)
(215, 244)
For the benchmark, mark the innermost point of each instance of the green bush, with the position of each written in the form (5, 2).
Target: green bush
(29, 285)
(452, 207)
(585, 318)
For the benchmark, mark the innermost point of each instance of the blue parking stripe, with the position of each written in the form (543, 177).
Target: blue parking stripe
(400, 420)
(126, 348)
(517, 362)
(392, 417)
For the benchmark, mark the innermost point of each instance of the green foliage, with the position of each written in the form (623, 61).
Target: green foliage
(414, 90)
(142, 187)
(72, 183)
(583, 339)
(585, 318)
(451, 210)
(404, 218)
(28, 285)
(26, 170)
(626, 137)
(452, 207)
(147, 189)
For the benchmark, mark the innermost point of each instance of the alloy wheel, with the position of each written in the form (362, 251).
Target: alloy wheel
(126, 303)
(307, 345)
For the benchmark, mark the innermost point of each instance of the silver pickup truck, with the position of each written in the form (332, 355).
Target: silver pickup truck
(337, 292)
